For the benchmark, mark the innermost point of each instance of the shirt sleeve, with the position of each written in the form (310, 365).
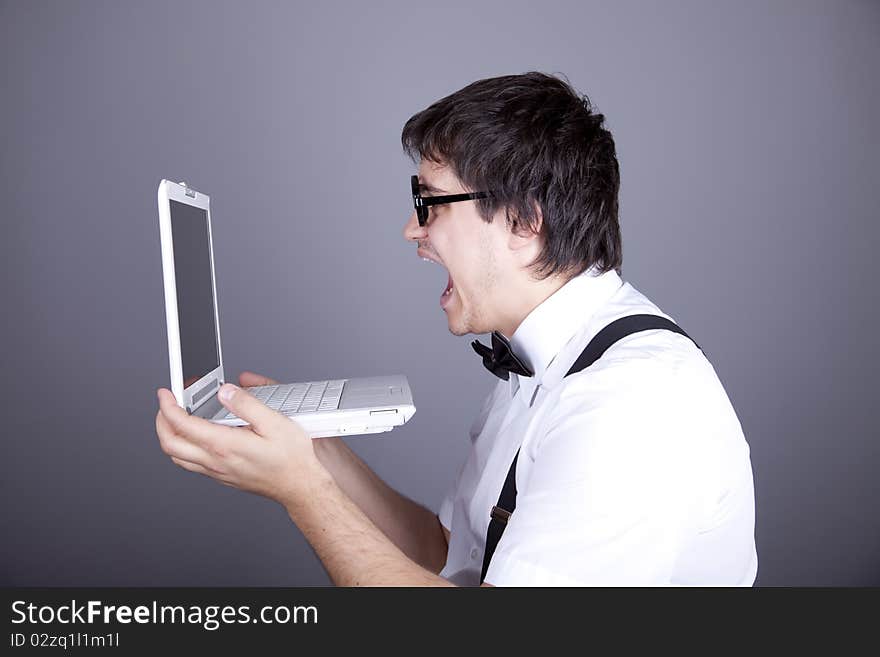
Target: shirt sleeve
(610, 495)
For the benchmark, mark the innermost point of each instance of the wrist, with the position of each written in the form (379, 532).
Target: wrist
(325, 448)
(307, 484)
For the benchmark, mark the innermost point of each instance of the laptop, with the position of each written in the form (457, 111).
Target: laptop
(335, 407)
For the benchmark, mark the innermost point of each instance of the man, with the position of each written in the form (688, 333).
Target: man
(631, 469)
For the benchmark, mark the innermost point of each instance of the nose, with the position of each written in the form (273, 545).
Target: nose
(412, 231)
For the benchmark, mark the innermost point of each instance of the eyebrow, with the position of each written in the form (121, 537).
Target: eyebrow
(431, 188)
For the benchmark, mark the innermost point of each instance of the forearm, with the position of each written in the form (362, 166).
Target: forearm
(414, 529)
(353, 550)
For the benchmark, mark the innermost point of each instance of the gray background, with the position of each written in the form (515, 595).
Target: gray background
(748, 141)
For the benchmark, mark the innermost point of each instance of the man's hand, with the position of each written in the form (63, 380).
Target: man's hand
(273, 457)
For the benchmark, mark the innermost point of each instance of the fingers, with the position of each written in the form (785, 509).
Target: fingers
(187, 465)
(249, 379)
(215, 438)
(195, 467)
(179, 448)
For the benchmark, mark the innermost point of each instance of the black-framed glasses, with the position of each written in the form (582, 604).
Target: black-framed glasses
(422, 203)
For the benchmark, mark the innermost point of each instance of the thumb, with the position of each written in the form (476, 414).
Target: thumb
(261, 418)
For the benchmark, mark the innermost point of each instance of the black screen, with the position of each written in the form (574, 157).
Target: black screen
(195, 298)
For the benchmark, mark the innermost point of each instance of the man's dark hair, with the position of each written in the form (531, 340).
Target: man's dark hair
(531, 139)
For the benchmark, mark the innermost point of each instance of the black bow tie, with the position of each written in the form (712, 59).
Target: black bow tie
(500, 359)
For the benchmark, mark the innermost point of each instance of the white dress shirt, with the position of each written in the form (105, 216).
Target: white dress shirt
(634, 471)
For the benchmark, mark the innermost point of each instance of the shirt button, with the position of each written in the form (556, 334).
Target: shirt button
(474, 553)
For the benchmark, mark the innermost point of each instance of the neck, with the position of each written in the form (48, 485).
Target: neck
(528, 296)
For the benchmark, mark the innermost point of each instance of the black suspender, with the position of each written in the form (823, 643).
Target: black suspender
(616, 330)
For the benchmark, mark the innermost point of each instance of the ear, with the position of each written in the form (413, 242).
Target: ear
(526, 237)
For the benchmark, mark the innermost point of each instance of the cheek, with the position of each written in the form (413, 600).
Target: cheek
(473, 266)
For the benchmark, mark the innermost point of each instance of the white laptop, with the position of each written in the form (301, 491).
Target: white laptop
(334, 407)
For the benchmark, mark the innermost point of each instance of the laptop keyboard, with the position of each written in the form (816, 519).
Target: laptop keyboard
(290, 398)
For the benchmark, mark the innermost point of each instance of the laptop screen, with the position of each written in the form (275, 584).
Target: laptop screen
(195, 298)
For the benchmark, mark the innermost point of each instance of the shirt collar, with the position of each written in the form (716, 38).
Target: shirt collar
(549, 327)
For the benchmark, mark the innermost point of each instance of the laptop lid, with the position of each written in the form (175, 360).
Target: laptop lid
(191, 313)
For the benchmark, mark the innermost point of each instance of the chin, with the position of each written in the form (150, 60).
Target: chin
(460, 326)
(457, 327)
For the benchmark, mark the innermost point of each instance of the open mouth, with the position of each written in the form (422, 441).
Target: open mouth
(446, 297)
(450, 285)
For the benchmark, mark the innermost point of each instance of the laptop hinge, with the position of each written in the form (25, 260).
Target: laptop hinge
(204, 392)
